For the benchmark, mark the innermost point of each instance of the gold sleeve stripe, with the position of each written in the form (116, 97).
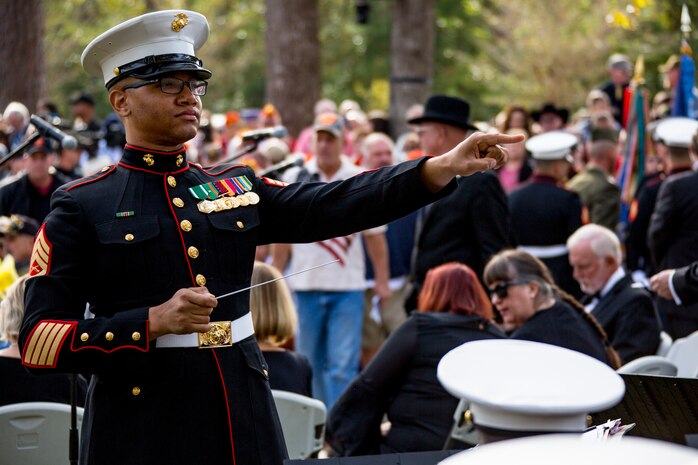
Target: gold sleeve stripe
(44, 343)
(34, 338)
(42, 253)
(40, 262)
(50, 340)
(55, 346)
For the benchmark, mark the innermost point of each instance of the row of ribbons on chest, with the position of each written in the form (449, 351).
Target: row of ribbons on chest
(225, 194)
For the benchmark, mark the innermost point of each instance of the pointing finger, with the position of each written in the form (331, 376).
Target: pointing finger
(487, 140)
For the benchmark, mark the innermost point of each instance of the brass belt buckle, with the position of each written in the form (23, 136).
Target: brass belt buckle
(220, 335)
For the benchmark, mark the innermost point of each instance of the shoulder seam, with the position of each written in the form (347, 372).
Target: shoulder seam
(89, 180)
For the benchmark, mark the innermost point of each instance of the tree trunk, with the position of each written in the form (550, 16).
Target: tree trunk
(293, 60)
(413, 33)
(22, 52)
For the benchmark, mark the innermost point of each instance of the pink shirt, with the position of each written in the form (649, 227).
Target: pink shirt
(509, 177)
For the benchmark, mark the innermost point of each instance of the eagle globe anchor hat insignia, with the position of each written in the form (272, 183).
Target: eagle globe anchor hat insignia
(149, 46)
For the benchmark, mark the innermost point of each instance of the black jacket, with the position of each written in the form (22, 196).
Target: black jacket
(544, 214)
(686, 284)
(468, 226)
(19, 196)
(561, 325)
(630, 320)
(401, 382)
(122, 241)
(673, 243)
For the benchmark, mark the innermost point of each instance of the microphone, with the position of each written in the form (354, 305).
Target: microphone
(46, 129)
(260, 134)
(280, 167)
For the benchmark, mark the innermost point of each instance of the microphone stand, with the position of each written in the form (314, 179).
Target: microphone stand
(20, 148)
(241, 153)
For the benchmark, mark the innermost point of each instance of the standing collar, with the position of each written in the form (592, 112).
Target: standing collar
(153, 160)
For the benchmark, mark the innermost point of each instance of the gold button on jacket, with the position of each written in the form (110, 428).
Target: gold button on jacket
(136, 390)
(171, 181)
(179, 203)
(193, 253)
(185, 225)
(84, 337)
(136, 336)
(109, 336)
(240, 224)
(129, 237)
(200, 280)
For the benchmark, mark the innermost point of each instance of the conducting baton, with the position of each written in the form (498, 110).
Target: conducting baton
(274, 280)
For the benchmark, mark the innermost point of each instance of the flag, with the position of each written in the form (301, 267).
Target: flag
(684, 98)
(636, 147)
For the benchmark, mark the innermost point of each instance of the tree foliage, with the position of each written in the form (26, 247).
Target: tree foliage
(492, 52)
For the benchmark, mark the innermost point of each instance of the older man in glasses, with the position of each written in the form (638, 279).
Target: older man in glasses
(153, 243)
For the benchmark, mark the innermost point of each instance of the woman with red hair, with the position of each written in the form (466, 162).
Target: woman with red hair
(401, 382)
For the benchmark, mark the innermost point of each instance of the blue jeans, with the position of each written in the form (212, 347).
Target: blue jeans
(329, 334)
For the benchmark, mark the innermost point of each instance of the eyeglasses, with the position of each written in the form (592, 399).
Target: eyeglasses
(501, 290)
(172, 85)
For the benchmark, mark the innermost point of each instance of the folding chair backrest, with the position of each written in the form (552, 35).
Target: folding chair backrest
(649, 365)
(302, 421)
(35, 433)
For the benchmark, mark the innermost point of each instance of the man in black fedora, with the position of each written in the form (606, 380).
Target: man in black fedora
(550, 117)
(472, 224)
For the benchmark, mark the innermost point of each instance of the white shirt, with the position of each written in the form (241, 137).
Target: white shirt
(349, 274)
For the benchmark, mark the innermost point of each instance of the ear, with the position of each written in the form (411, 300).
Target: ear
(533, 288)
(119, 102)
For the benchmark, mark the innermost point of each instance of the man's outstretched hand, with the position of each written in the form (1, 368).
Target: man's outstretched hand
(479, 152)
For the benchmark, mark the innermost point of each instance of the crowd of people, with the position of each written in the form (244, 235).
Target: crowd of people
(529, 251)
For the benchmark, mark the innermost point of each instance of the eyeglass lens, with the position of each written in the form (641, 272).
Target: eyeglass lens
(171, 85)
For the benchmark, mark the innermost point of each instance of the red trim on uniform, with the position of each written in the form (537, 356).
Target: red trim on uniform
(179, 231)
(89, 181)
(227, 405)
(367, 171)
(273, 182)
(135, 168)
(109, 351)
(141, 149)
(220, 172)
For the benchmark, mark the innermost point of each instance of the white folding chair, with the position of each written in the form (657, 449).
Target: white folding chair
(649, 365)
(35, 433)
(665, 342)
(302, 421)
(462, 430)
(684, 354)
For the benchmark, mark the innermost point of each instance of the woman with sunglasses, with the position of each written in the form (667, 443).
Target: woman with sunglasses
(535, 309)
(401, 382)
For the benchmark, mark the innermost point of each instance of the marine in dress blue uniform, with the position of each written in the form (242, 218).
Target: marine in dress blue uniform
(543, 213)
(149, 242)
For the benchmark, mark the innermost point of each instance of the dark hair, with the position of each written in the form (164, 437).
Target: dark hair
(507, 119)
(454, 288)
(511, 264)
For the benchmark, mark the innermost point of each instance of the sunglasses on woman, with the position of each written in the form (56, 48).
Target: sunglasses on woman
(501, 290)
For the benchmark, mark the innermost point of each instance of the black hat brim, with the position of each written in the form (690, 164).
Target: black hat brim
(448, 121)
